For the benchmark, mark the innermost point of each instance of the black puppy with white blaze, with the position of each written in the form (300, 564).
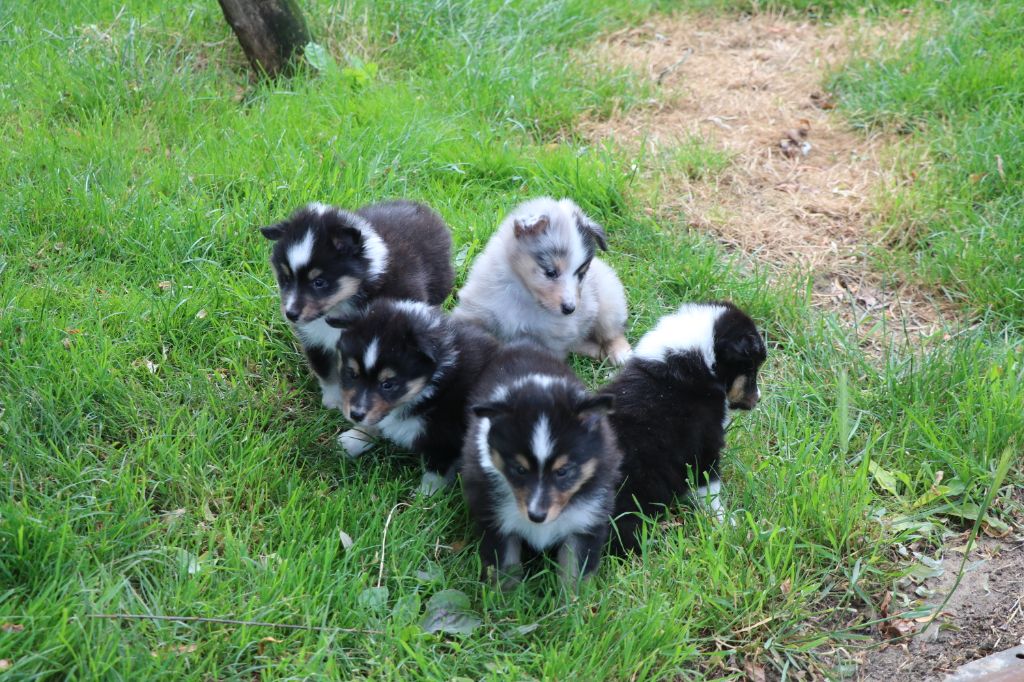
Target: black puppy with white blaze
(329, 262)
(672, 404)
(407, 370)
(540, 464)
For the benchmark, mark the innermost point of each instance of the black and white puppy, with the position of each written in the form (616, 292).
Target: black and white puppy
(407, 370)
(540, 465)
(672, 404)
(329, 262)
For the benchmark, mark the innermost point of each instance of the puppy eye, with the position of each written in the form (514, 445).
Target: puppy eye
(519, 469)
(551, 274)
(349, 373)
(387, 385)
(319, 283)
(562, 472)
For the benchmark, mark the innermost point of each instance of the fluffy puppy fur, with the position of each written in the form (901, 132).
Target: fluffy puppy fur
(538, 278)
(672, 404)
(406, 373)
(329, 262)
(540, 464)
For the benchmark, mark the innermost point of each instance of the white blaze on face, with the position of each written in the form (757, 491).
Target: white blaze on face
(300, 253)
(370, 358)
(541, 441)
(534, 506)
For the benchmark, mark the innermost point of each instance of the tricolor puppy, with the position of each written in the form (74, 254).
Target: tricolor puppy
(329, 262)
(540, 465)
(672, 405)
(538, 278)
(406, 373)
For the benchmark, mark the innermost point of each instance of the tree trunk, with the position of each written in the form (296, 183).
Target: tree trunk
(272, 32)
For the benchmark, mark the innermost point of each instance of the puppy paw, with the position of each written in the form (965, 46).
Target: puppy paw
(431, 483)
(331, 396)
(618, 351)
(355, 442)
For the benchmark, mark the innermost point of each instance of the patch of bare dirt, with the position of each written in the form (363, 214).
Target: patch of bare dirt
(799, 192)
(985, 615)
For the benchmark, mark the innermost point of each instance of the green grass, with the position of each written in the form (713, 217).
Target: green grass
(163, 448)
(958, 95)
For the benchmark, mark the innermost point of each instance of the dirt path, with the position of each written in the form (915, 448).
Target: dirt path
(748, 85)
(799, 191)
(984, 616)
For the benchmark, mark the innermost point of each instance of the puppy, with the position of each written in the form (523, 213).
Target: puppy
(538, 278)
(540, 464)
(407, 371)
(329, 262)
(672, 405)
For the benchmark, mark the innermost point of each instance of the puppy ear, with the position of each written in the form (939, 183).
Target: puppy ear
(746, 348)
(275, 231)
(530, 226)
(347, 240)
(491, 409)
(591, 408)
(591, 230)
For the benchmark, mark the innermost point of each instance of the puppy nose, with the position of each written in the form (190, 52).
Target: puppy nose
(357, 415)
(536, 516)
(568, 308)
(291, 314)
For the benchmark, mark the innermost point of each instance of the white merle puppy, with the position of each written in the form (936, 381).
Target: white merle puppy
(673, 401)
(407, 371)
(538, 278)
(540, 464)
(329, 262)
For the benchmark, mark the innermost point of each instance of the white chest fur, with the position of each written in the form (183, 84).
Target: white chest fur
(317, 333)
(403, 430)
(578, 518)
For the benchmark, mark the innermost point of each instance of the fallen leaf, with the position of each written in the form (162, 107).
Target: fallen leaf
(346, 539)
(172, 516)
(373, 599)
(67, 343)
(5, 664)
(406, 608)
(12, 627)
(994, 528)
(164, 285)
(262, 644)
(72, 330)
(822, 100)
(59, 246)
(449, 611)
(201, 315)
(432, 573)
(897, 628)
(786, 586)
(527, 629)
(754, 671)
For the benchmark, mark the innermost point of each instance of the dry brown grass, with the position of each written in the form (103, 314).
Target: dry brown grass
(745, 84)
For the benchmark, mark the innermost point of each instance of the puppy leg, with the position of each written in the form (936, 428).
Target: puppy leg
(501, 557)
(324, 363)
(590, 348)
(610, 325)
(357, 440)
(580, 555)
(434, 481)
(709, 496)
